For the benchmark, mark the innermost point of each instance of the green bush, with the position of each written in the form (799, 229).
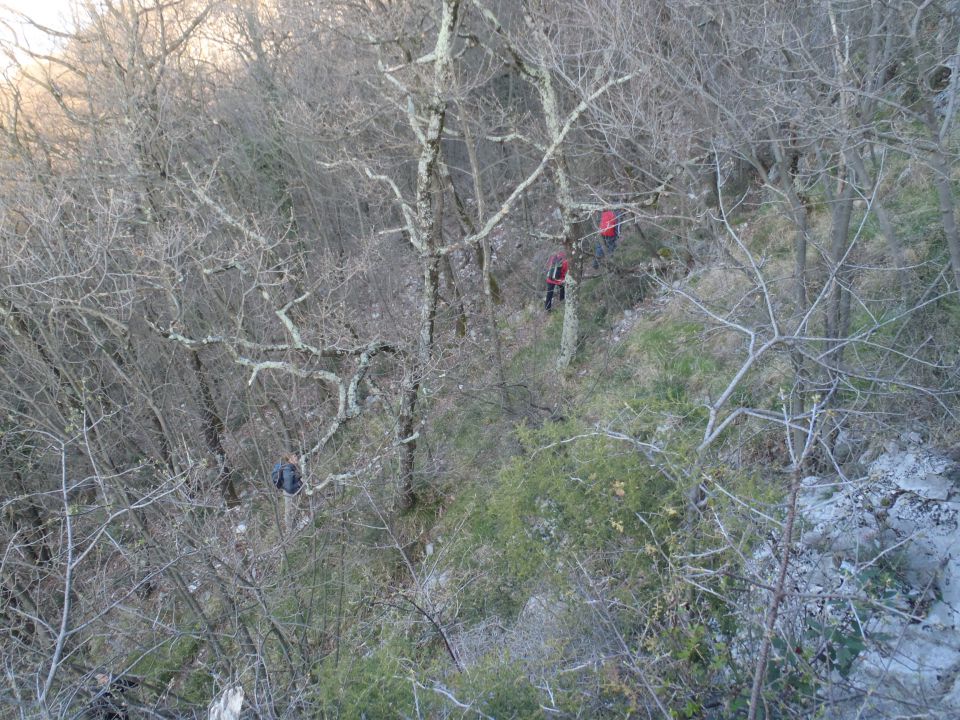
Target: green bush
(373, 685)
(574, 493)
(499, 688)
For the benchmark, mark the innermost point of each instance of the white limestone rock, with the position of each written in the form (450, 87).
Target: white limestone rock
(228, 705)
(892, 540)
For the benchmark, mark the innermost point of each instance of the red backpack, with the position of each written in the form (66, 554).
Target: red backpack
(555, 267)
(608, 223)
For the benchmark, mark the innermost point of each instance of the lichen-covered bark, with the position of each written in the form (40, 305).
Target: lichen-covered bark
(543, 81)
(571, 323)
(426, 237)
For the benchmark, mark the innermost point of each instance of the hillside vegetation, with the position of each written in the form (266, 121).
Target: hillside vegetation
(234, 231)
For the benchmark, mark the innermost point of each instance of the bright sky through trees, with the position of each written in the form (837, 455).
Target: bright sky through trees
(16, 30)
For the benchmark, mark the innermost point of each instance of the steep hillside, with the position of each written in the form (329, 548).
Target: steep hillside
(717, 479)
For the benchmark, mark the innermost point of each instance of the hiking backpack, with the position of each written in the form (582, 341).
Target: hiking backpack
(608, 223)
(556, 267)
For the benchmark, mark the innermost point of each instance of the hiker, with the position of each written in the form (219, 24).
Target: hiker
(556, 274)
(286, 475)
(609, 233)
(108, 703)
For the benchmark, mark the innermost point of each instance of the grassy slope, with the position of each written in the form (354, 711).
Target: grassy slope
(555, 500)
(569, 503)
(550, 506)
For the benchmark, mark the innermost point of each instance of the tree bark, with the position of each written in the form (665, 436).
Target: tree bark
(427, 238)
(213, 428)
(834, 329)
(407, 433)
(490, 290)
(571, 316)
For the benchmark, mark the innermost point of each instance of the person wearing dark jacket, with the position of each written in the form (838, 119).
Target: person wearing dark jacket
(286, 475)
(108, 702)
(557, 267)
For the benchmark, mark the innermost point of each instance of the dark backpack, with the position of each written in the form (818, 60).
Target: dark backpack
(286, 477)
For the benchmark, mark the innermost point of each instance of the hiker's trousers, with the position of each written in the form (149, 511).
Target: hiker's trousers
(550, 288)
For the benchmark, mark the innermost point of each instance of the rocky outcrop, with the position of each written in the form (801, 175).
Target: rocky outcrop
(228, 705)
(876, 586)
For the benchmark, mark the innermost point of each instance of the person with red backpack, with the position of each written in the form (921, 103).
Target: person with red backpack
(609, 233)
(557, 267)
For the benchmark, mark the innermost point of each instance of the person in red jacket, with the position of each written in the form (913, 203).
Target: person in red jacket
(609, 233)
(557, 268)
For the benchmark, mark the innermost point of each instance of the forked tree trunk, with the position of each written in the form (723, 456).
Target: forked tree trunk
(426, 235)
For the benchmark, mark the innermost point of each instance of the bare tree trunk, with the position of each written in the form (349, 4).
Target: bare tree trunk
(486, 261)
(839, 247)
(289, 511)
(407, 433)
(445, 265)
(798, 212)
(488, 305)
(427, 236)
(571, 315)
(938, 153)
(551, 112)
(837, 316)
(213, 428)
(451, 279)
(948, 212)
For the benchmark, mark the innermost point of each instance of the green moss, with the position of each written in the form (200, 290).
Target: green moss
(573, 493)
(915, 210)
(199, 687)
(168, 661)
(375, 684)
(500, 688)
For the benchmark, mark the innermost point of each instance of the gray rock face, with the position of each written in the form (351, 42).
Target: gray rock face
(228, 705)
(877, 575)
